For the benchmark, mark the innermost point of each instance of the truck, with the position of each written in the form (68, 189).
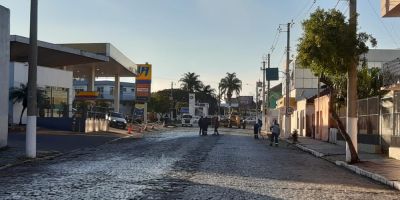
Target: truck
(187, 120)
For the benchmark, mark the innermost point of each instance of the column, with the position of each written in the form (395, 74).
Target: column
(4, 71)
(116, 93)
(91, 78)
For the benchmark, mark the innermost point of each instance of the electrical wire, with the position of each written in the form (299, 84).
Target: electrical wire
(276, 39)
(301, 12)
(387, 30)
(337, 3)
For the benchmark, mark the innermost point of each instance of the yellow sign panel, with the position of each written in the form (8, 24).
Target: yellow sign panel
(143, 72)
(87, 94)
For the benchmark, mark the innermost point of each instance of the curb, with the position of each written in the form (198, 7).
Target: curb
(371, 175)
(353, 168)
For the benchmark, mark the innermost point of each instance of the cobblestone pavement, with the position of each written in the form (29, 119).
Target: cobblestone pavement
(179, 164)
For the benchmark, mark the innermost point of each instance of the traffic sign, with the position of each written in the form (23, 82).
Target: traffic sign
(272, 74)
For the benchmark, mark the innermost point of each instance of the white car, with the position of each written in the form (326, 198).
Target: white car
(250, 120)
(117, 120)
(187, 120)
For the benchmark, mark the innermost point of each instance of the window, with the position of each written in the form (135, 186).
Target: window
(100, 90)
(54, 102)
(111, 90)
(123, 89)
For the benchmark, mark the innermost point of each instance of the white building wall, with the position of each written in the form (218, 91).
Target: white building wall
(45, 77)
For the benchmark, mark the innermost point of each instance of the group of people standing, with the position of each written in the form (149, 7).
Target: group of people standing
(274, 128)
(203, 125)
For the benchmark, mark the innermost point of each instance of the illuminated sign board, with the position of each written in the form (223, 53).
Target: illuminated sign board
(143, 82)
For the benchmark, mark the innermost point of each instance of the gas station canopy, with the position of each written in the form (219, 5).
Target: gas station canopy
(51, 55)
(118, 63)
(83, 59)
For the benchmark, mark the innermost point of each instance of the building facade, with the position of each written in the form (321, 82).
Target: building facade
(106, 91)
(57, 90)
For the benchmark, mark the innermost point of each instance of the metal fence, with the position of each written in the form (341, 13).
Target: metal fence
(368, 115)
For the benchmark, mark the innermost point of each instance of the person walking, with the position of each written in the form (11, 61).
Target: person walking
(200, 123)
(260, 124)
(205, 126)
(275, 133)
(256, 130)
(216, 126)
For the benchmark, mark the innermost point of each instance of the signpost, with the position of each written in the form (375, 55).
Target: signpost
(272, 74)
(143, 86)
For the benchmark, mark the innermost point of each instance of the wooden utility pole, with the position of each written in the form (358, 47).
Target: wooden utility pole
(287, 99)
(263, 96)
(351, 120)
(32, 84)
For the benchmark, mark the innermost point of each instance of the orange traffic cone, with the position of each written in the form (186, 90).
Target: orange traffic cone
(130, 129)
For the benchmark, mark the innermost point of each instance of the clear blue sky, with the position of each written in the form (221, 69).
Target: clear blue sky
(208, 37)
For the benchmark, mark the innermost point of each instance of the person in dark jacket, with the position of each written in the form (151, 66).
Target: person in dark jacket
(216, 125)
(200, 123)
(205, 126)
(260, 124)
(275, 133)
(256, 130)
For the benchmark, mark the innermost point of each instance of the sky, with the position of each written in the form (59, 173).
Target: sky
(208, 37)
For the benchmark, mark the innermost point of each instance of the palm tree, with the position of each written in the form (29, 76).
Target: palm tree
(20, 94)
(229, 85)
(206, 89)
(190, 82)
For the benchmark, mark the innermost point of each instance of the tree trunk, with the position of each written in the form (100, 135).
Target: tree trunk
(22, 113)
(342, 130)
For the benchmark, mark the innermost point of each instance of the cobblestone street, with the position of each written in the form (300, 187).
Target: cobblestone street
(179, 164)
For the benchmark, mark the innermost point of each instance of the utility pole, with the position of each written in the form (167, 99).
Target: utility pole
(256, 100)
(287, 99)
(219, 101)
(268, 85)
(351, 121)
(32, 82)
(171, 98)
(263, 96)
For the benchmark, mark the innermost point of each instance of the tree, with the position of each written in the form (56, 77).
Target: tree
(207, 95)
(190, 82)
(20, 94)
(329, 49)
(159, 103)
(229, 85)
(206, 89)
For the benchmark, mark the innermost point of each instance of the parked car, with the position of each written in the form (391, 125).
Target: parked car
(187, 120)
(117, 120)
(250, 120)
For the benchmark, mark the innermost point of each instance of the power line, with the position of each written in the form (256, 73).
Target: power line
(276, 39)
(311, 7)
(337, 3)
(387, 30)
(301, 11)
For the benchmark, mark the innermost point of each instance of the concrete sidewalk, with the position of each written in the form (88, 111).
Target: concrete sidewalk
(375, 166)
